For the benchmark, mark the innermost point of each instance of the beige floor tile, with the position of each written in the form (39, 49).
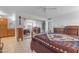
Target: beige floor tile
(12, 46)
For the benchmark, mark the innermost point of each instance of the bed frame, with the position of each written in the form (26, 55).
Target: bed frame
(53, 46)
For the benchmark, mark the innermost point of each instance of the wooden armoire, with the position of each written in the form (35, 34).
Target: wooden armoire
(4, 30)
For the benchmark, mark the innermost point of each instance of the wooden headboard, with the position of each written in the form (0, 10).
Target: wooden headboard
(71, 30)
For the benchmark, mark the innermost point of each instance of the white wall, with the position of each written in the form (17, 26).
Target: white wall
(11, 20)
(27, 16)
(46, 26)
(35, 23)
(67, 19)
(50, 26)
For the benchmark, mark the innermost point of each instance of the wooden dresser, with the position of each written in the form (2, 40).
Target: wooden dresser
(72, 30)
(59, 30)
(69, 30)
(36, 30)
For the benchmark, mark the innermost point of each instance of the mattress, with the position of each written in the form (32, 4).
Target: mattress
(61, 37)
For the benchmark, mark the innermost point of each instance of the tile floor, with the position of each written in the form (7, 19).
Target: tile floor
(12, 46)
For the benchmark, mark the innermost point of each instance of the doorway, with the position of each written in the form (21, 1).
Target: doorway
(28, 29)
(33, 27)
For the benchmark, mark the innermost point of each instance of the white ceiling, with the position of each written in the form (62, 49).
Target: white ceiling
(51, 11)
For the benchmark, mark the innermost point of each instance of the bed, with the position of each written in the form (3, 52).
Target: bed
(62, 46)
(60, 43)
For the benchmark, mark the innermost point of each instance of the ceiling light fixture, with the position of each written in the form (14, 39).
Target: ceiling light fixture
(45, 12)
(2, 13)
